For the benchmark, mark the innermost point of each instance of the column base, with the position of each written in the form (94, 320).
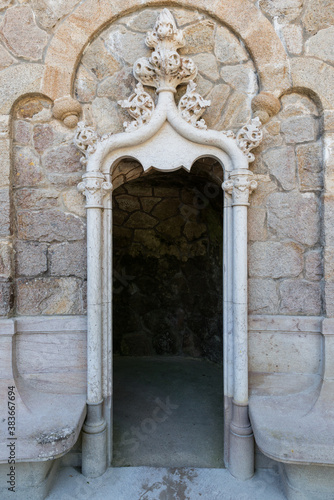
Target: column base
(241, 460)
(94, 442)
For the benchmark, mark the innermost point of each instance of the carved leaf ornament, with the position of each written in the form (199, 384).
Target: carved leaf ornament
(165, 70)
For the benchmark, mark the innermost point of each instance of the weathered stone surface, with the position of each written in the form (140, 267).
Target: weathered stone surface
(237, 112)
(106, 115)
(204, 86)
(240, 78)
(62, 160)
(68, 259)
(4, 212)
(218, 97)
(207, 65)
(313, 265)
(262, 296)
(281, 163)
(21, 34)
(85, 86)
(228, 49)
(43, 137)
(49, 225)
(31, 258)
(149, 239)
(118, 86)
(286, 10)
(309, 160)
(27, 169)
(128, 203)
(257, 230)
(193, 230)
(18, 80)
(329, 299)
(5, 58)
(22, 132)
(166, 208)
(295, 216)
(300, 129)
(273, 259)
(29, 108)
(295, 105)
(35, 198)
(321, 45)
(49, 296)
(4, 4)
(6, 251)
(264, 189)
(48, 12)
(141, 220)
(171, 228)
(329, 119)
(74, 202)
(149, 202)
(317, 15)
(98, 60)
(305, 73)
(6, 298)
(293, 37)
(300, 297)
(126, 46)
(198, 38)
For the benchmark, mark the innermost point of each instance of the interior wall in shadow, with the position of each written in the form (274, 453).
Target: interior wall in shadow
(167, 264)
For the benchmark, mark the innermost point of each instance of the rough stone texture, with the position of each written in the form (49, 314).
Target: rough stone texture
(126, 46)
(6, 298)
(257, 230)
(49, 225)
(313, 265)
(293, 37)
(228, 50)
(207, 65)
(242, 79)
(43, 137)
(262, 296)
(68, 259)
(199, 37)
(22, 132)
(300, 297)
(310, 168)
(49, 296)
(321, 45)
(5, 259)
(48, 12)
(281, 163)
(285, 10)
(17, 80)
(27, 169)
(99, 61)
(300, 129)
(5, 58)
(4, 212)
(275, 260)
(85, 87)
(295, 216)
(31, 258)
(21, 34)
(318, 14)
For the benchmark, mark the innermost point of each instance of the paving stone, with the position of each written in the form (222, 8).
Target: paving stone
(300, 129)
(310, 166)
(271, 259)
(321, 45)
(228, 49)
(68, 259)
(5, 58)
(295, 216)
(262, 296)
(281, 163)
(318, 14)
(49, 296)
(300, 297)
(31, 258)
(21, 34)
(293, 37)
(313, 265)
(49, 225)
(99, 61)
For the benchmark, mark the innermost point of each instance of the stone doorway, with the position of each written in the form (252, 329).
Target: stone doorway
(168, 317)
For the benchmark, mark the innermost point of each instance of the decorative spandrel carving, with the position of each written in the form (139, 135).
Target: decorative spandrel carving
(140, 106)
(165, 69)
(249, 137)
(192, 106)
(86, 140)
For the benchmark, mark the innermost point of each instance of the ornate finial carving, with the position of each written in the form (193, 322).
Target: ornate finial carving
(86, 140)
(240, 185)
(95, 187)
(140, 106)
(192, 106)
(249, 137)
(165, 69)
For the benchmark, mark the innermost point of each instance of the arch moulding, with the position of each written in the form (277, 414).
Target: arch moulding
(167, 137)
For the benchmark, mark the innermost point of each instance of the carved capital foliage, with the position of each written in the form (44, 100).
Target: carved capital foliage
(165, 69)
(240, 185)
(249, 137)
(192, 106)
(140, 106)
(95, 187)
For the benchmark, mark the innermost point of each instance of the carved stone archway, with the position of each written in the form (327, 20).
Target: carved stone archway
(167, 137)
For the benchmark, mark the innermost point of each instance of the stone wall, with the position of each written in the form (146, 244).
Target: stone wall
(42, 247)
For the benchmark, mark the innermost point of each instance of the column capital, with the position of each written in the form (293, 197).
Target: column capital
(95, 187)
(240, 185)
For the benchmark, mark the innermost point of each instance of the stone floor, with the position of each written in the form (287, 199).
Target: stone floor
(168, 412)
